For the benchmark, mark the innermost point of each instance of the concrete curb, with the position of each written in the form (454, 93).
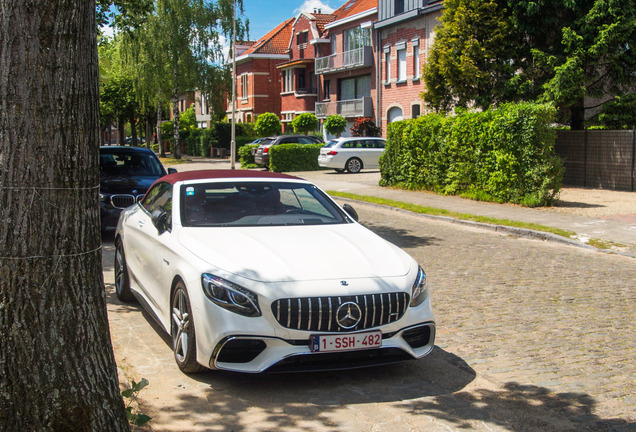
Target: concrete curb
(517, 232)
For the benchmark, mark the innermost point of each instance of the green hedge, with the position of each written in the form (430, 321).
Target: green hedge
(245, 156)
(294, 157)
(500, 155)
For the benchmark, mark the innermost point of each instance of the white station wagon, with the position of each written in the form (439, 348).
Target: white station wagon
(352, 154)
(253, 271)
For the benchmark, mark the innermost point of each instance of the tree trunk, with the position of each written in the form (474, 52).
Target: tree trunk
(57, 369)
(121, 131)
(177, 146)
(162, 151)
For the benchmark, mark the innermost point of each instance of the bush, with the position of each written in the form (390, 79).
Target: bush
(335, 124)
(245, 156)
(365, 127)
(305, 123)
(268, 124)
(294, 157)
(500, 155)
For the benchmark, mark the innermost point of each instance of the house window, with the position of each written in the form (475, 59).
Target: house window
(401, 65)
(302, 86)
(334, 45)
(327, 90)
(244, 93)
(302, 38)
(355, 88)
(399, 6)
(288, 80)
(415, 111)
(417, 66)
(387, 66)
(357, 38)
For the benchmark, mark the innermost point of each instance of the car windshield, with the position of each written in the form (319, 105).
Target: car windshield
(129, 164)
(244, 203)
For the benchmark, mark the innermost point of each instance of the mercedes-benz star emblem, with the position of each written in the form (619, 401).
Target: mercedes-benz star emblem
(348, 315)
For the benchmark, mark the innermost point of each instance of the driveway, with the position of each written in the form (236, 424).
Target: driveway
(531, 336)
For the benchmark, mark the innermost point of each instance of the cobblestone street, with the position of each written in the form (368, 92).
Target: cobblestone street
(530, 336)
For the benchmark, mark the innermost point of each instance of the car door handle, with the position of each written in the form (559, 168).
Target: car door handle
(140, 223)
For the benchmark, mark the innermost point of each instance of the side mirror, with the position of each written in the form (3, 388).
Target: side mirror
(172, 170)
(351, 212)
(160, 219)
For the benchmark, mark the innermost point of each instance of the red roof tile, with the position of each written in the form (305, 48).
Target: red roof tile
(354, 7)
(274, 42)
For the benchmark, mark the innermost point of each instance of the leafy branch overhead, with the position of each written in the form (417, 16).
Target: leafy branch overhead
(577, 55)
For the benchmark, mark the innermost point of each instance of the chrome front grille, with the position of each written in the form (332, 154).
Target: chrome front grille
(124, 200)
(320, 313)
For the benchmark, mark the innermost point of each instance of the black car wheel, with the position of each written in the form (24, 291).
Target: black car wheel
(183, 334)
(122, 280)
(354, 165)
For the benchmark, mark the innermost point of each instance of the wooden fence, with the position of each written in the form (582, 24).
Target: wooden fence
(598, 159)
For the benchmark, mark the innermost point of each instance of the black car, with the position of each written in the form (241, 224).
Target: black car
(125, 174)
(261, 155)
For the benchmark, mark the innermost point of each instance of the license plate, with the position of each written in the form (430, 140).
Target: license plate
(346, 342)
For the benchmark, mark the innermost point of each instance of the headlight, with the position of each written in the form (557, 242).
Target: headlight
(230, 296)
(103, 197)
(420, 288)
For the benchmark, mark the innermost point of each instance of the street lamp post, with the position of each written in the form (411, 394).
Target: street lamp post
(233, 142)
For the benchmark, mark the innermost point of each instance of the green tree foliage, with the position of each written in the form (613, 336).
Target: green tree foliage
(188, 119)
(335, 124)
(473, 57)
(178, 48)
(267, 124)
(305, 123)
(118, 102)
(577, 55)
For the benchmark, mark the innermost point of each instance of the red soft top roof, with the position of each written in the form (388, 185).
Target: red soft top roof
(223, 174)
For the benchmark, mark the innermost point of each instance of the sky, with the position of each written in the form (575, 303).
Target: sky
(265, 15)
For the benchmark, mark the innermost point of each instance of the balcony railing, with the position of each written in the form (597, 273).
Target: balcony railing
(362, 107)
(360, 57)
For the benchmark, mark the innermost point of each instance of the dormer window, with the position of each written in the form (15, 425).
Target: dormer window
(302, 38)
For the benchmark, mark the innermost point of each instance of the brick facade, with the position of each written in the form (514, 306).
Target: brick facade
(404, 44)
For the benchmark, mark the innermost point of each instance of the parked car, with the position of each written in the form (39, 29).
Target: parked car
(125, 174)
(261, 154)
(252, 271)
(352, 154)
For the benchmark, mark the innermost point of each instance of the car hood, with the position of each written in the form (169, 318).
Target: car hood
(126, 185)
(297, 253)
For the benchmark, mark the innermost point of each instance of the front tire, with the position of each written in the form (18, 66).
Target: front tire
(122, 279)
(183, 332)
(354, 165)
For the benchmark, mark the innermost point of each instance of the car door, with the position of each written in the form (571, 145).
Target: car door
(372, 150)
(145, 244)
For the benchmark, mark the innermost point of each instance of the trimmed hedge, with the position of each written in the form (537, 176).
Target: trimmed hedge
(294, 157)
(245, 156)
(500, 155)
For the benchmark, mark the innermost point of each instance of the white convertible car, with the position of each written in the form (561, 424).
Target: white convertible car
(255, 271)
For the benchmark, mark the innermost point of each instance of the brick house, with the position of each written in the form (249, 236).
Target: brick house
(346, 64)
(298, 89)
(257, 78)
(405, 31)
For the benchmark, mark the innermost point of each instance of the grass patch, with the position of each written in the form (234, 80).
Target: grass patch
(604, 244)
(461, 216)
(172, 161)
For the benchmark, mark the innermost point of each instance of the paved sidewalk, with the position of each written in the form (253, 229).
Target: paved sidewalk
(620, 229)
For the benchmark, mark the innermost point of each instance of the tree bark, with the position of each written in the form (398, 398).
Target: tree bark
(162, 150)
(57, 369)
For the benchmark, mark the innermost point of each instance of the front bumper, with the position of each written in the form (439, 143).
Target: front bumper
(255, 353)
